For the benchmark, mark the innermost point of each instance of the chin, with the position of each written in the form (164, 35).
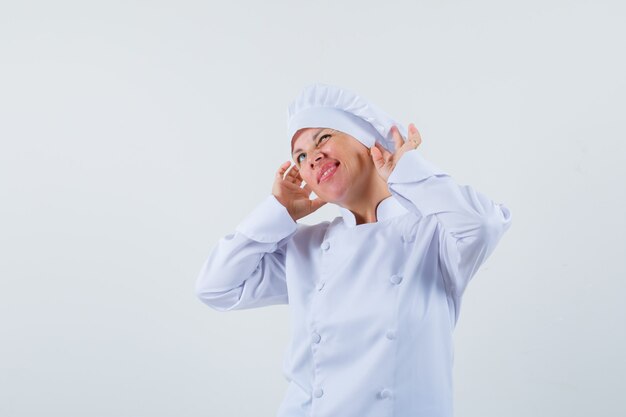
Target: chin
(333, 194)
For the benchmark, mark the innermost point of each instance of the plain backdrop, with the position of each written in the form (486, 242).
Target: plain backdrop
(133, 135)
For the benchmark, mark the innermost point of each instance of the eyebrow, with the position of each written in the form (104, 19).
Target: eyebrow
(314, 137)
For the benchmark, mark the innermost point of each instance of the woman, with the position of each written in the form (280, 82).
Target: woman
(374, 294)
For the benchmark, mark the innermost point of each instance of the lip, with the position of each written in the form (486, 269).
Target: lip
(324, 168)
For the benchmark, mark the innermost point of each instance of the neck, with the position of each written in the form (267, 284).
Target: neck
(364, 204)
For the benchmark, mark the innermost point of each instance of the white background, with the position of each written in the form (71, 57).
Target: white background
(135, 134)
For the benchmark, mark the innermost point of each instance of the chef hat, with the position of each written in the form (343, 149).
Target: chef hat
(324, 105)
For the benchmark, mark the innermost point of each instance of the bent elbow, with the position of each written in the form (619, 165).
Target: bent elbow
(494, 226)
(219, 300)
(501, 221)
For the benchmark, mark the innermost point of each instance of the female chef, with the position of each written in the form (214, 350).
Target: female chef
(374, 294)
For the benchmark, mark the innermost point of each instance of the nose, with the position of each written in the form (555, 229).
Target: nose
(316, 157)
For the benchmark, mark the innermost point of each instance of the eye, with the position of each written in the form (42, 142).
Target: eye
(323, 136)
(318, 142)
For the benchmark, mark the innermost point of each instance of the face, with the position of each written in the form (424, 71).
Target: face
(334, 164)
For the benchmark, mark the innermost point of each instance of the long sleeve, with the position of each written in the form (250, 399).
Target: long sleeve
(246, 269)
(471, 224)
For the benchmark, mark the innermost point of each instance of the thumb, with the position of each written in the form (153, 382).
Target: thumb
(377, 157)
(317, 203)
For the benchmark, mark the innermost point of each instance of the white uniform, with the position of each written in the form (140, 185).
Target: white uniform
(374, 305)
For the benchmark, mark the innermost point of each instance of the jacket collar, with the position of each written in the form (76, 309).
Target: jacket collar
(387, 208)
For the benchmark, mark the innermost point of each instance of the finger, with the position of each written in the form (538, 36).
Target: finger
(414, 134)
(297, 172)
(290, 186)
(386, 154)
(307, 188)
(398, 141)
(293, 175)
(410, 143)
(286, 168)
(283, 167)
(294, 168)
(377, 157)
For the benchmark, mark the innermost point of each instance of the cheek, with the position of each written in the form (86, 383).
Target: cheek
(308, 176)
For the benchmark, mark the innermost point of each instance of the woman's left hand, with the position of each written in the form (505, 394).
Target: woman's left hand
(385, 161)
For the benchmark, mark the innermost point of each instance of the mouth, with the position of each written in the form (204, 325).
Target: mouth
(327, 171)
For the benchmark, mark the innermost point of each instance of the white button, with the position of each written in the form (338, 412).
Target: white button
(318, 392)
(408, 239)
(315, 337)
(391, 334)
(396, 279)
(386, 393)
(325, 245)
(320, 285)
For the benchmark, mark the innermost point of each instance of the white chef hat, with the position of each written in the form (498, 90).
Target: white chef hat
(324, 105)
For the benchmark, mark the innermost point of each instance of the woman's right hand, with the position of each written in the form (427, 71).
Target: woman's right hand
(288, 192)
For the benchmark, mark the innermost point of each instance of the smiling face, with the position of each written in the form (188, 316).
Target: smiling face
(334, 164)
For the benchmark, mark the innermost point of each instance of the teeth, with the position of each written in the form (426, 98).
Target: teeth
(325, 174)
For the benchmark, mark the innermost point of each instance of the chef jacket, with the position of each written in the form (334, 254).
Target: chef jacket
(372, 306)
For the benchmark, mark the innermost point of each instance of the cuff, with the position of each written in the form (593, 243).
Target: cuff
(413, 167)
(268, 222)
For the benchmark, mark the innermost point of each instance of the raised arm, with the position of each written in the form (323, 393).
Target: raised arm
(471, 223)
(246, 269)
